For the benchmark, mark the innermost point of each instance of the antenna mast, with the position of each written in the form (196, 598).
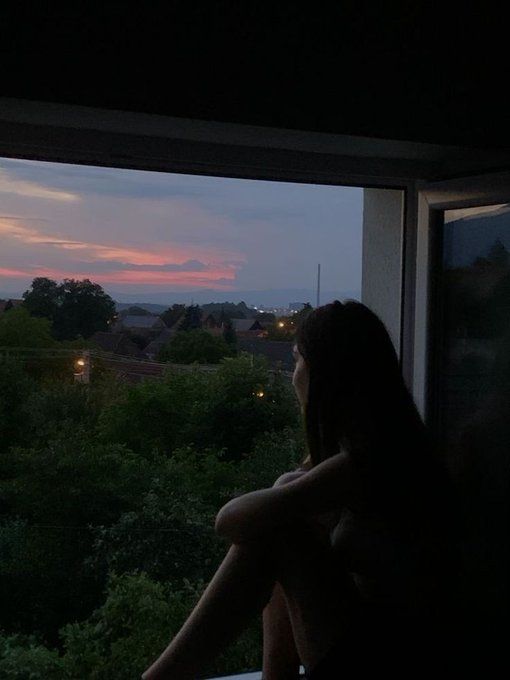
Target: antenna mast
(318, 285)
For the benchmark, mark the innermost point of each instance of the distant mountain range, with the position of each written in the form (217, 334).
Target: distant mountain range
(158, 302)
(268, 298)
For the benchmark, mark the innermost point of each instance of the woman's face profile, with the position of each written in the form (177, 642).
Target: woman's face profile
(301, 377)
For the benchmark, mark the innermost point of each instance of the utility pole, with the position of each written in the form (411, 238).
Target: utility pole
(318, 285)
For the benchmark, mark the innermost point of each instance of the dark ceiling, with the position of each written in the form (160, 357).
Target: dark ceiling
(356, 69)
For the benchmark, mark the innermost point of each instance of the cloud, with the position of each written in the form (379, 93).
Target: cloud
(159, 256)
(221, 278)
(29, 189)
(106, 263)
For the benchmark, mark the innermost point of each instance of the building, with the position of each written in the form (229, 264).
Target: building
(140, 325)
(296, 306)
(117, 343)
(155, 346)
(11, 303)
(249, 327)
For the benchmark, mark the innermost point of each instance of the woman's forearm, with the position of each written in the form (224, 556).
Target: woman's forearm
(326, 488)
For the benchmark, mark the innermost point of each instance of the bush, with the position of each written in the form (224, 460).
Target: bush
(16, 387)
(133, 626)
(24, 658)
(223, 411)
(195, 345)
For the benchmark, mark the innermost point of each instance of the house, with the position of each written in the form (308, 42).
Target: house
(247, 327)
(153, 348)
(213, 323)
(11, 303)
(117, 343)
(145, 325)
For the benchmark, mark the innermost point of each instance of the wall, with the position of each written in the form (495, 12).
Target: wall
(382, 257)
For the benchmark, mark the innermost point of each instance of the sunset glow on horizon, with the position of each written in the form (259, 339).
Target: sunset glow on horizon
(132, 230)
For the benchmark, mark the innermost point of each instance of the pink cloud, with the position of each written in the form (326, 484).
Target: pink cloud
(219, 278)
(220, 266)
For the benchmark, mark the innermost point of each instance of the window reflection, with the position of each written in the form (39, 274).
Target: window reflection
(471, 404)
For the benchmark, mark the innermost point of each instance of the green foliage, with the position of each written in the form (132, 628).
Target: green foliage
(154, 415)
(25, 658)
(123, 636)
(72, 480)
(125, 478)
(246, 401)
(192, 318)
(273, 454)
(19, 329)
(15, 390)
(188, 347)
(75, 308)
(172, 533)
(43, 298)
(230, 335)
(220, 410)
(84, 309)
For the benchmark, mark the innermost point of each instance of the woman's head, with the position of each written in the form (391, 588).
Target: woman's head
(348, 379)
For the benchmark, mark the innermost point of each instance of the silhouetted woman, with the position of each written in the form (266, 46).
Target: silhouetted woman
(350, 557)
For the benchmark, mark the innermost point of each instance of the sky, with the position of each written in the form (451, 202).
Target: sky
(155, 237)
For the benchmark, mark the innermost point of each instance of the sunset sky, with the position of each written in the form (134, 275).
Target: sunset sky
(142, 235)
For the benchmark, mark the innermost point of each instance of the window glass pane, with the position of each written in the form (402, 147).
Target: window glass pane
(147, 322)
(471, 400)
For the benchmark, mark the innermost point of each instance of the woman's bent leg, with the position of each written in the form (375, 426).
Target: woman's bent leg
(239, 590)
(280, 659)
(318, 593)
(321, 596)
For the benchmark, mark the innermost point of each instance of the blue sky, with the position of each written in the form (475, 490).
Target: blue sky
(144, 235)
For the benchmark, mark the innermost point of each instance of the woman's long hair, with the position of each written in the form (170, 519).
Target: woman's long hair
(358, 402)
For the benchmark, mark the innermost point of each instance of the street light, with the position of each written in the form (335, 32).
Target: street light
(82, 368)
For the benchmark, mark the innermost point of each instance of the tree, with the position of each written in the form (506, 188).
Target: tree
(84, 309)
(43, 298)
(195, 345)
(230, 335)
(16, 388)
(172, 315)
(192, 318)
(75, 308)
(19, 329)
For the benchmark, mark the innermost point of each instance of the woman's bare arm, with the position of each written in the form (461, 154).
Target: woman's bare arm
(327, 487)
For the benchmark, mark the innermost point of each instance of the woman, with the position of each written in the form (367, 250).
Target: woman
(350, 557)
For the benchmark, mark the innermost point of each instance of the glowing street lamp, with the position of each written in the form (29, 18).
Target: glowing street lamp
(82, 368)
(281, 324)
